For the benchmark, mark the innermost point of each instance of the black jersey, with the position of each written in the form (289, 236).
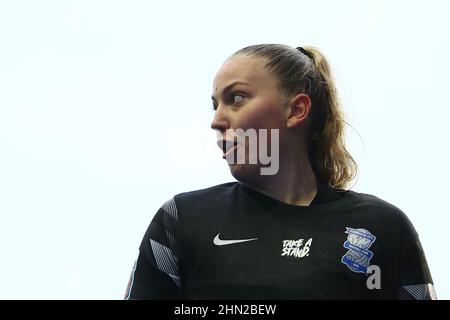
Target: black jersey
(232, 242)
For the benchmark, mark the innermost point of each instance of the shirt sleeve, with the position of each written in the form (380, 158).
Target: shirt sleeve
(416, 282)
(156, 274)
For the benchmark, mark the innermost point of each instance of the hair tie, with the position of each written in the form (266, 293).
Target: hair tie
(306, 53)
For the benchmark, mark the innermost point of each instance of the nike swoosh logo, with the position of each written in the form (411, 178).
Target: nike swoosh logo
(218, 242)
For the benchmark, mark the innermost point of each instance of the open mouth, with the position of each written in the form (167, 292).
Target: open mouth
(227, 147)
(229, 151)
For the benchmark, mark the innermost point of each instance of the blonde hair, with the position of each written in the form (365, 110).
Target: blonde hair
(305, 69)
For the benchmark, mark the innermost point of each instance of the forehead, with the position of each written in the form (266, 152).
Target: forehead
(242, 68)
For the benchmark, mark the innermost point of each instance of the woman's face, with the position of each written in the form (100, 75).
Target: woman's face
(246, 96)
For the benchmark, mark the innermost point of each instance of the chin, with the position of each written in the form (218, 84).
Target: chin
(248, 173)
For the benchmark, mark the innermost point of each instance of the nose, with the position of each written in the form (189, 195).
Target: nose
(220, 121)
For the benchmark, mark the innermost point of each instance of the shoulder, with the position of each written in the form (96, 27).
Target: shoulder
(376, 208)
(373, 202)
(196, 201)
(215, 192)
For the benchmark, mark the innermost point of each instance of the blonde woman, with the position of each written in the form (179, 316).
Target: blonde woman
(293, 231)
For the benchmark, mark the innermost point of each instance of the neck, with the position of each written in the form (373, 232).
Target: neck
(295, 183)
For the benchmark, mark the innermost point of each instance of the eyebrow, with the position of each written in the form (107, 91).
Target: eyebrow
(228, 87)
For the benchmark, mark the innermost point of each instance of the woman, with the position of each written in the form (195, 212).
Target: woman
(291, 232)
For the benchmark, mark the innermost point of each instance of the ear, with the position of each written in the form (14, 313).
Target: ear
(298, 110)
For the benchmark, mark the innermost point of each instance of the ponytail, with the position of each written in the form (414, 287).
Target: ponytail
(328, 155)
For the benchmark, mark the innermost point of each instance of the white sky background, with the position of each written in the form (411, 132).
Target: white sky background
(105, 114)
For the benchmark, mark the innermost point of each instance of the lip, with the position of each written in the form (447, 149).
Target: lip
(226, 154)
(227, 146)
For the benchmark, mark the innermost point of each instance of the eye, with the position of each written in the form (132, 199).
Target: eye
(237, 95)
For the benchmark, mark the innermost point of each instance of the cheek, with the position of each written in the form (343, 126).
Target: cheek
(261, 116)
